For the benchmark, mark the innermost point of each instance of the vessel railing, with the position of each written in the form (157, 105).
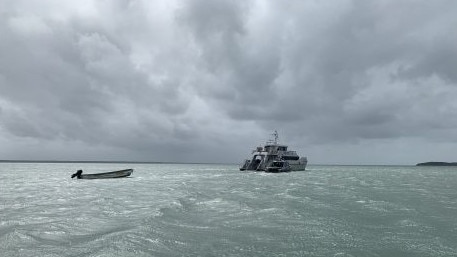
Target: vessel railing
(289, 153)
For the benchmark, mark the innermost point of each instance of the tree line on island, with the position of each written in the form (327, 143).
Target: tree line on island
(437, 164)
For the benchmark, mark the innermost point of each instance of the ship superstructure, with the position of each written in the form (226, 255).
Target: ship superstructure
(274, 157)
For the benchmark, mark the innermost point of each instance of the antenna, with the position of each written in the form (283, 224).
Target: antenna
(275, 134)
(275, 140)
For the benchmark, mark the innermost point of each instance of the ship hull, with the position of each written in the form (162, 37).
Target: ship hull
(297, 167)
(294, 166)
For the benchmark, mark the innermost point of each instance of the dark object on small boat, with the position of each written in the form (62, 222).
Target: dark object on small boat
(77, 174)
(111, 174)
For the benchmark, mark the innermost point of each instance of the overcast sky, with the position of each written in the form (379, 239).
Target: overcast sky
(343, 82)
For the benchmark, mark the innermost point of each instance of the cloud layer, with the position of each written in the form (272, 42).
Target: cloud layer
(204, 81)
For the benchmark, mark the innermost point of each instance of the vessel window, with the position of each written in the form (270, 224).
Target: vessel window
(290, 157)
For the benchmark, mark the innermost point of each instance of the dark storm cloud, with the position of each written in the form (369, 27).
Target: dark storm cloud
(156, 81)
(301, 72)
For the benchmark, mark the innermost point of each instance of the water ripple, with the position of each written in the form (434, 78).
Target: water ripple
(216, 210)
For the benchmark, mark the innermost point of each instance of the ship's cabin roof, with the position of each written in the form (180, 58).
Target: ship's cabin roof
(275, 145)
(278, 147)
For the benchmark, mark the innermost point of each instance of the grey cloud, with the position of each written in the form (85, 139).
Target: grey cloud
(211, 19)
(156, 79)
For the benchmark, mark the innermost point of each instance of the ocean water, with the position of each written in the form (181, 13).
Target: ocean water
(217, 210)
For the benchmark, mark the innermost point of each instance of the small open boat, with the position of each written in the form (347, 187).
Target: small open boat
(111, 174)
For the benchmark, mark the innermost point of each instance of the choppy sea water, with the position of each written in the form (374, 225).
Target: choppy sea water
(217, 210)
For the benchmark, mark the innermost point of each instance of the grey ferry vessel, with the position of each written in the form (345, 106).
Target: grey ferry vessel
(274, 157)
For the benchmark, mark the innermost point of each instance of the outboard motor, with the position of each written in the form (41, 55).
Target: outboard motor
(77, 174)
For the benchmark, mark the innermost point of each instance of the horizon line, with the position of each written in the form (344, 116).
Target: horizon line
(82, 161)
(171, 162)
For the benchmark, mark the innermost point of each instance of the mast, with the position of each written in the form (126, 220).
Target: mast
(275, 134)
(275, 140)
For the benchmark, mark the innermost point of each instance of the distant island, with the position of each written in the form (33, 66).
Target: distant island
(437, 164)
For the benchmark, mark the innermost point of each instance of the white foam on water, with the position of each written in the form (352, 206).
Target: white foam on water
(216, 210)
